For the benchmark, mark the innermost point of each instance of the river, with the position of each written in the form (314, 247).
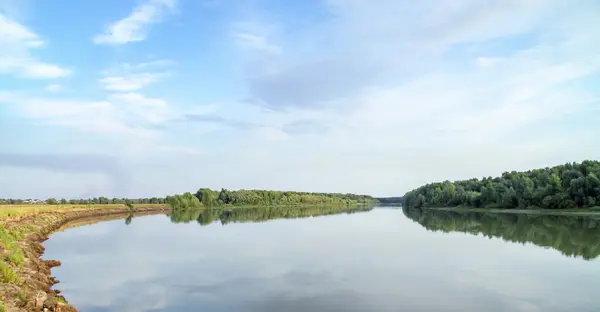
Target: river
(381, 259)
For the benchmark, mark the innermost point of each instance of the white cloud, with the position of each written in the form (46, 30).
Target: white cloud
(11, 30)
(487, 61)
(147, 65)
(16, 58)
(140, 107)
(258, 43)
(42, 70)
(121, 116)
(132, 77)
(100, 117)
(54, 88)
(135, 27)
(129, 83)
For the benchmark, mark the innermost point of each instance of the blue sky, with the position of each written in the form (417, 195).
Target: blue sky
(155, 97)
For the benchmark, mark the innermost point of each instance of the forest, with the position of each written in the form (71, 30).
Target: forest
(208, 198)
(572, 236)
(568, 186)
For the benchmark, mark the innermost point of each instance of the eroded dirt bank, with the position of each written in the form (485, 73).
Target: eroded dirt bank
(26, 279)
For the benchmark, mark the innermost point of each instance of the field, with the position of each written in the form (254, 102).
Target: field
(9, 211)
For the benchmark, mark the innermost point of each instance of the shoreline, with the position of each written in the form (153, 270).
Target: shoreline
(580, 213)
(29, 281)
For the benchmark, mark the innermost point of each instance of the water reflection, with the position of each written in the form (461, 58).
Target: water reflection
(376, 260)
(573, 236)
(225, 216)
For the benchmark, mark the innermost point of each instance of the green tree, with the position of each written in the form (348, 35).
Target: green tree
(565, 186)
(51, 201)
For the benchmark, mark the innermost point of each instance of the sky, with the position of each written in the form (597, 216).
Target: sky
(144, 98)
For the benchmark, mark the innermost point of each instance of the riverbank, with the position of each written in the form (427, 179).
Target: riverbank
(553, 212)
(25, 279)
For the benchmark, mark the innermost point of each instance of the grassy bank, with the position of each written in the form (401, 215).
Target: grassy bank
(23, 275)
(11, 211)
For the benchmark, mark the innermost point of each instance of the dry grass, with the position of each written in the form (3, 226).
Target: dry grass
(17, 210)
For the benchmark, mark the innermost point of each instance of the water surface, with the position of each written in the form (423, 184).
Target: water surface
(373, 260)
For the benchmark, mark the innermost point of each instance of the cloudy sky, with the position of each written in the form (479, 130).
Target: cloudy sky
(154, 97)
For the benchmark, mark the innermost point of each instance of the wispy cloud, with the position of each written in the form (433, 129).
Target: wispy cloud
(73, 163)
(54, 88)
(135, 27)
(17, 43)
(145, 109)
(130, 82)
(122, 117)
(132, 77)
(258, 43)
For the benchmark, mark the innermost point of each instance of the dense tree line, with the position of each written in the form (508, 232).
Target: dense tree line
(225, 216)
(209, 198)
(87, 201)
(573, 185)
(571, 235)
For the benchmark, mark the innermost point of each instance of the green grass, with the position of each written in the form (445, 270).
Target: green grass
(10, 242)
(2, 307)
(7, 274)
(16, 257)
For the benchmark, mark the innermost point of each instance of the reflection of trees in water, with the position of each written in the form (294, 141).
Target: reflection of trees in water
(573, 236)
(225, 216)
(129, 219)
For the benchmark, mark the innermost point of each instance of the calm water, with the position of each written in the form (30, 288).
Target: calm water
(378, 260)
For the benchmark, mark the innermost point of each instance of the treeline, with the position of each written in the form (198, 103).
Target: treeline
(209, 198)
(225, 216)
(571, 235)
(573, 185)
(87, 201)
